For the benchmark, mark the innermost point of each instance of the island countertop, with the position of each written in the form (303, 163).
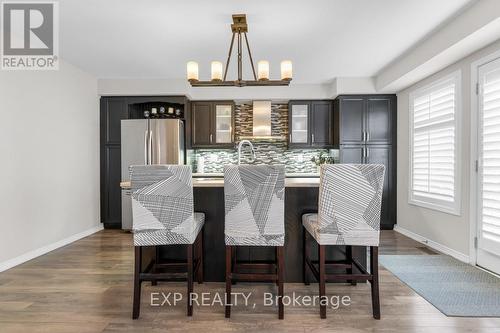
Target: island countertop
(219, 182)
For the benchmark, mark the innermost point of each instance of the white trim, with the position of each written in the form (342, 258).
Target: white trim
(432, 244)
(47, 248)
(439, 205)
(474, 114)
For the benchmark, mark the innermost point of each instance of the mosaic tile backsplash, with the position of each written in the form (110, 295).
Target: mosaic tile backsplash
(266, 152)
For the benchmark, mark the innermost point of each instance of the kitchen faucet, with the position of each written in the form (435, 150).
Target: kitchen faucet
(242, 142)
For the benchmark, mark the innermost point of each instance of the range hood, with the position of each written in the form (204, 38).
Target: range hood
(262, 122)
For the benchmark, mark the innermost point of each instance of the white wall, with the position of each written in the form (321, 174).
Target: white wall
(49, 170)
(448, 230)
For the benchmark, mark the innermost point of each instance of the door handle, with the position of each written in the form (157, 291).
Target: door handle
(312, 137)
(211, 136)
(367, 152)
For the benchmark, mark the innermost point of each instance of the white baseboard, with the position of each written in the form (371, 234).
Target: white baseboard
(434, 245)
(47, 248)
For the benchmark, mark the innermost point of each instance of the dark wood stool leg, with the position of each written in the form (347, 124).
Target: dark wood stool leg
(189, 279)
(199, 273)
(228, 279)
(322, 280)
(233, 261)
(157, 258)
(277, 257)
(305, 257)
(348, 253)
(281, 273)
(137, 282)
(374, 281)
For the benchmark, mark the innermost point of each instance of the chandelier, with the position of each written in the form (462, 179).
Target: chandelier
(239, 29)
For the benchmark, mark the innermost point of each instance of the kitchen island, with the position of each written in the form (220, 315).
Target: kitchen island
(301, 196)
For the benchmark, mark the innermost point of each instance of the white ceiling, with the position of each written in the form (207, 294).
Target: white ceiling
(325, 39)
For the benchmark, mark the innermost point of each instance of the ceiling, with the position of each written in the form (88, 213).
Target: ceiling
(325, 39)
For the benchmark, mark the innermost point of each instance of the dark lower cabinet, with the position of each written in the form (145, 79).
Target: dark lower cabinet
(376, 154)
(351, 154)
(383, 155)
(111, 205)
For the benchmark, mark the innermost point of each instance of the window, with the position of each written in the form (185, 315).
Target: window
(434, 151)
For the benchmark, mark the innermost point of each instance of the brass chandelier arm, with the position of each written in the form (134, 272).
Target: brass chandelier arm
(250, 56)
(229, 56)
(240, 74)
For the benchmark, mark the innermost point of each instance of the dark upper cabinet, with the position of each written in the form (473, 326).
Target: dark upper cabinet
(379, 119)
(351, 119)
(321, 124)
(212, 124)
(366, 119)
(201, 127)
(310, 124)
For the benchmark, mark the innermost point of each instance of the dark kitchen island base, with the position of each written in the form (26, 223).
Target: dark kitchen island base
(298, 200)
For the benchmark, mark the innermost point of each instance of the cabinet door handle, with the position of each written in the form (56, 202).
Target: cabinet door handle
(312, 137)
(211, 138)
(367, 152)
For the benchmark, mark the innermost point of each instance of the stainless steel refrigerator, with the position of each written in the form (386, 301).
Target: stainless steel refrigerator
(145, 142)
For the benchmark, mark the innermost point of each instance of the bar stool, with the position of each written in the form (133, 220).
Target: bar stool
(163, 214)
(254, 197)
(350, 197)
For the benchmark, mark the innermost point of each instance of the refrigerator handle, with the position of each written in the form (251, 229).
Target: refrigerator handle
(150, 145)
(145, 147)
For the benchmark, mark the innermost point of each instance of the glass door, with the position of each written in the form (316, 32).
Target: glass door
(299, 129)
(488, 233)
(223, 123)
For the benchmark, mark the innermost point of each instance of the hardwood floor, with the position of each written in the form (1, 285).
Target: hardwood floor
(87, 287)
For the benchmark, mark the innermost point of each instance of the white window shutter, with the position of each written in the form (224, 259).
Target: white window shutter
(434, 145)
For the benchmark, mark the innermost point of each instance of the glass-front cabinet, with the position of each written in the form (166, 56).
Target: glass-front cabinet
(212, 124)
(310, 124)
(223, 123)
(299, 129)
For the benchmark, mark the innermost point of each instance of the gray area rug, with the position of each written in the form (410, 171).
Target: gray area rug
(453, 287)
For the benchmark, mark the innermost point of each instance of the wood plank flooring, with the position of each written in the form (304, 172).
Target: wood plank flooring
(87, 287)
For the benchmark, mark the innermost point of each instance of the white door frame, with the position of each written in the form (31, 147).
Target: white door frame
(473, 218)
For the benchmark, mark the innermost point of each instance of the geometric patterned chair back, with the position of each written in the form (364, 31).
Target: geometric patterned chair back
(350, 198)
(162, 200)
(254, 197)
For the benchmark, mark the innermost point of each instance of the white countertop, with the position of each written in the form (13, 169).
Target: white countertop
(219, 182)
(288, 175)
